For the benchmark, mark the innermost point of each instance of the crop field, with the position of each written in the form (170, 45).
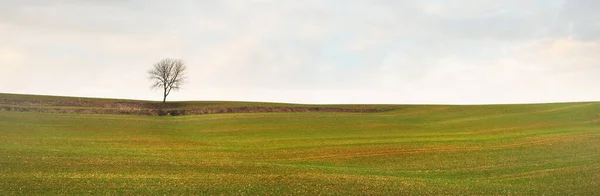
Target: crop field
(531, 149)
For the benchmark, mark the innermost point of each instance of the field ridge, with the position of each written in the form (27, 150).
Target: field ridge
(77, 105)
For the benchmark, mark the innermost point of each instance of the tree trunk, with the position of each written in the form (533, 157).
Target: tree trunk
(165, 96)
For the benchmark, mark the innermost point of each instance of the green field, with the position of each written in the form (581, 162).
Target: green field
(534, 149)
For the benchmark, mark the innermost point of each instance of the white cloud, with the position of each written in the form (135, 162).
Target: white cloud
(373, 37)
(466, 51)
(10, 60)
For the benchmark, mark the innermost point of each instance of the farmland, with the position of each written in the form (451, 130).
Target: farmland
(49, 146)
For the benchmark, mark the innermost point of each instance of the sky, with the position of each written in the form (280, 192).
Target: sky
(307, 51)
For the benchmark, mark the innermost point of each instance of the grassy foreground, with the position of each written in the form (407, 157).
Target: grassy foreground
(550, 149)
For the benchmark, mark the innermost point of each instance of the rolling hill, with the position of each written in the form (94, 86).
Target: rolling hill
(75, 146)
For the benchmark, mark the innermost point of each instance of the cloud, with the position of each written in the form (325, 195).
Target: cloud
(461, 51)
(559, 55)
(10, 60)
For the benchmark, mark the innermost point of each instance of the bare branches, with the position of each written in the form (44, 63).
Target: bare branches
(168, 74)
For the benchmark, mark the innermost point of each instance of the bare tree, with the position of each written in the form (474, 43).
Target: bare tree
(168, 74)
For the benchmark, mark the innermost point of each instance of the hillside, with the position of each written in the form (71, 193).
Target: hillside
(76, 105)
(531, 149)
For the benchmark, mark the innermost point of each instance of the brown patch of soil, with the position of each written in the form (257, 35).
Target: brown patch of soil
(148, 108)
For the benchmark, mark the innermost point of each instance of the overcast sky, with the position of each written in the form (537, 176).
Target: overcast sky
(307, 51)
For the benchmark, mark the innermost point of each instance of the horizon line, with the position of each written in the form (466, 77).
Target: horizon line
(300, 103)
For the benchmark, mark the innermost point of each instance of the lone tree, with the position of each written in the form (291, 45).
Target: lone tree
(168, 74)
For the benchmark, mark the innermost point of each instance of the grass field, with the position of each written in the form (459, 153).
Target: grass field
(535, 149)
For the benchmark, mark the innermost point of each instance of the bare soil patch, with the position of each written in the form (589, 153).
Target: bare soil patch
(151, 108)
